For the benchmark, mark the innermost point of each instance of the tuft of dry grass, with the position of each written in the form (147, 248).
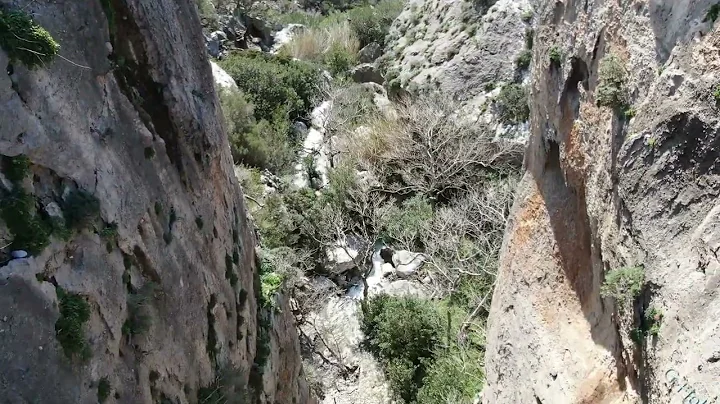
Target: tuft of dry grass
(314, 42)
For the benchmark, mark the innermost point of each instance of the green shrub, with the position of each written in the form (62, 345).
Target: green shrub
(523, 61)
(555, 56)
(339, 60)
(16, 168)
(270, 284)
(29, 231)
(716, 94)
(512, 103)
(25, 41)
(653, 320)
(263, 144)
(274, 84)
(455, 376)
(403, 333)
(713, 12)
(408, 224)
(624, 284)
(372, 24)
(611, 82)
(69, 328)
(80, 208)
(103, 390)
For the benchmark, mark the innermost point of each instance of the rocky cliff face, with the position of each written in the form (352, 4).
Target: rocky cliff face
(464, 49)
(164, 255)
(605, 188)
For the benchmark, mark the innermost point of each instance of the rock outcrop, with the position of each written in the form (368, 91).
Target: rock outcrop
(464, 49)
(634, 185)
(129, 118)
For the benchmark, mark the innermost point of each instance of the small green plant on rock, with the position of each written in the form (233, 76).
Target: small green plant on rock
(29, 231)
(139, 318)
(81, 208)
(70, 327)
(555, 56)
(527, 16)
(523, 61)
(103, 390)
(716, 94)
(512, 103)
(653, 319)
(270, 284)
(25, 41)
(624, 284)
(611, 83)
(16, 168)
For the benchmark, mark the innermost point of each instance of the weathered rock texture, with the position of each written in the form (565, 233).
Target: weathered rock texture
(464, 49)
(603, 191)
(139, 127)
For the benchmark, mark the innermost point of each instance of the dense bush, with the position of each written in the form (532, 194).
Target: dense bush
(19, 213)
(339, 60)
(624, 284)
(512, 103)
(16, 168)
(274, 84)
(372, 24)
(407, 225)
(454, 377)
(403, 333)
(25, 41)
(264, 144)
(612, 75)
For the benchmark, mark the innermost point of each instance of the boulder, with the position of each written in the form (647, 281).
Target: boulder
(404, 287)
(407, 262)
(370, 52)
(215, 43)
(222, 79)
(286, 35)
(367, 73)
(341, 256)
(299, 128)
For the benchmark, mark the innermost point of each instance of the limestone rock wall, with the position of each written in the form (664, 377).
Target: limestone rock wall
(129, 114)
(463, 49)
(603, 190)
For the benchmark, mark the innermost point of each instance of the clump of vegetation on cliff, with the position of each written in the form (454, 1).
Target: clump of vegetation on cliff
(624, 284)
(70, 327)
(612, 75)
(276, 91)
(26, 41)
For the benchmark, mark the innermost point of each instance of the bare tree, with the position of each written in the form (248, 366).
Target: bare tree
(428, 150)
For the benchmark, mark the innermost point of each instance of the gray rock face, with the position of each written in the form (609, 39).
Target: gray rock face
(463, 49)
(366, 73)
(179, 213)
(370, 52)
(215, 43)
(603, 191)
(222, 79)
